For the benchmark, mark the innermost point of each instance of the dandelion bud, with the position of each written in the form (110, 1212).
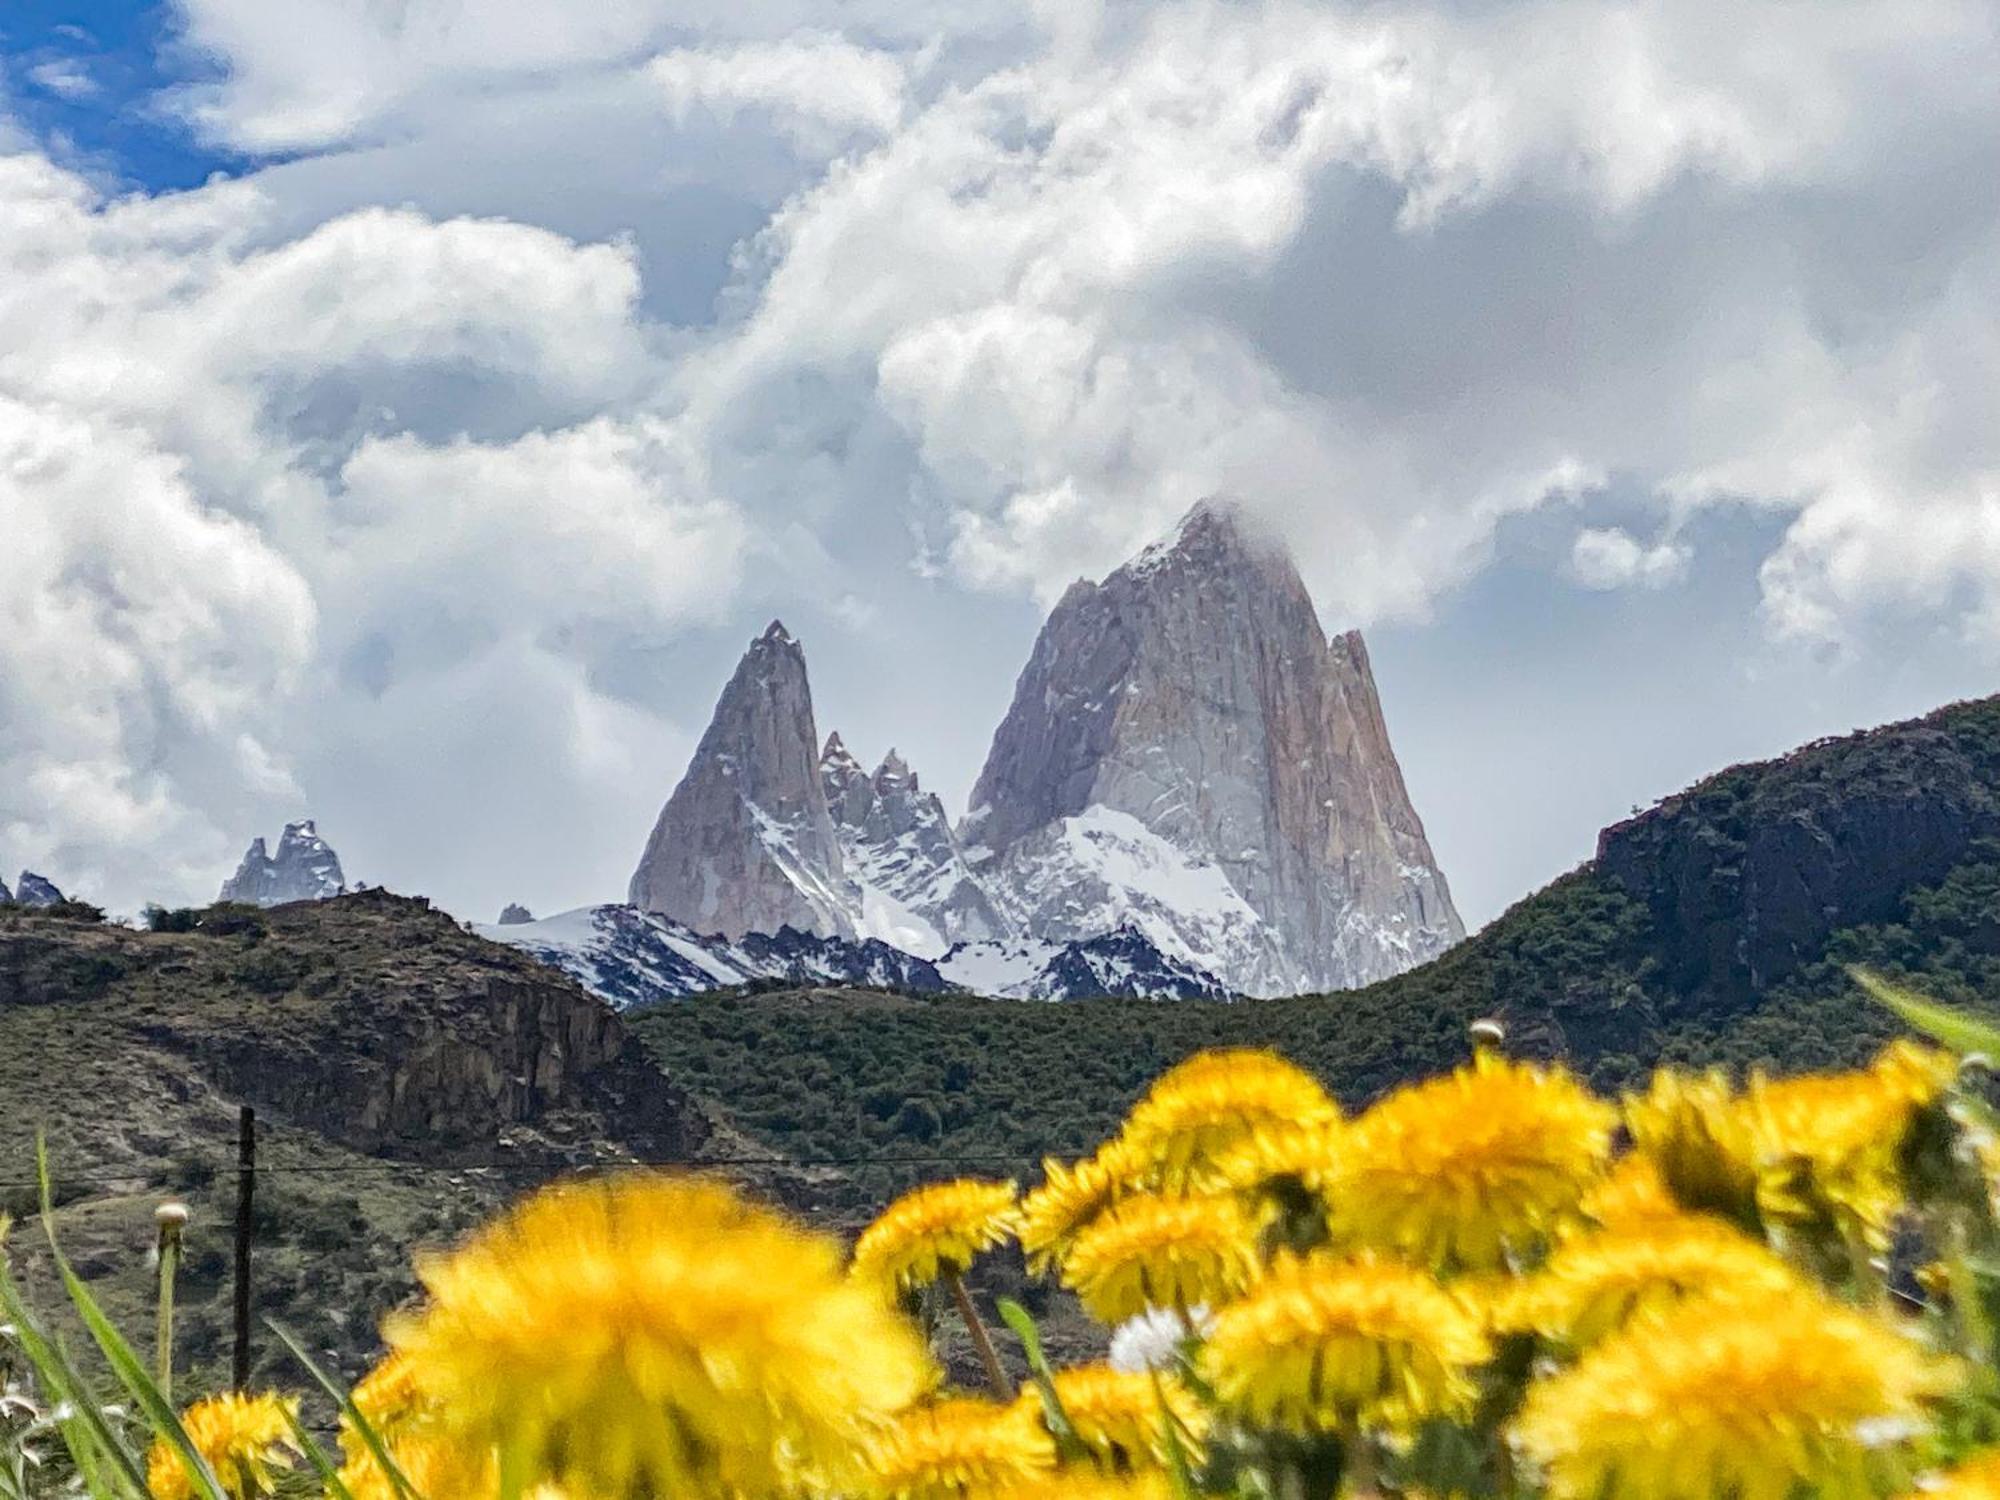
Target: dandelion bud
(173, 1214)
(1975, 1068)
(1487, 1032)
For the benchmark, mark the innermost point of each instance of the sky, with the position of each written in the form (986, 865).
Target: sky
(409, 412)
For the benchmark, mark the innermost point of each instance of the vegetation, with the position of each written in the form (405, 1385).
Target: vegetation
(1493, 1283)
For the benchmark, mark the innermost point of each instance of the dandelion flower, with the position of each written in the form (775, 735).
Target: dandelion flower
(1833, 1140)
(1094, 1484)
(1213, 1101)
(1119, 1417)
(957, 1450)
(934, 1232)
(1631, 1195)
(1458, 1171)
(1068, 1199)
(245, 1440)
(1750, 1400)
(1338, 1345)
(1698, 1134)
(1153, 1251)
(649, 1334)
(1593, 1284)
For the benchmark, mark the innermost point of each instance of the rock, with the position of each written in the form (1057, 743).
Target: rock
(305, 868)
(34, 890)
(1187, 753)
(745, 843)
(513, 914)
(6, 896)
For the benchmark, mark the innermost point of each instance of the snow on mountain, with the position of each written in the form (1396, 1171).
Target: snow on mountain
(305, 868)
(630, 957)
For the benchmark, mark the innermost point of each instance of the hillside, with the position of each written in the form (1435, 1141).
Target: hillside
(1713, 928)
(390, 1057)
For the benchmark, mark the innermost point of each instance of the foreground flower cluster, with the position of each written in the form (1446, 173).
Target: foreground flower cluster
(1492, 1283)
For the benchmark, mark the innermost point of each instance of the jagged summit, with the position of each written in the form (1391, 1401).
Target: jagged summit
(1188, 752)
(36, 890)
(305, 868)
(1187, 756)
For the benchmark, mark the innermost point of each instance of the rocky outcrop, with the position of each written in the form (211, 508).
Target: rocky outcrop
(745, 843)
(305, 868)
(1187, 753)
(35, 890)
(513, 914)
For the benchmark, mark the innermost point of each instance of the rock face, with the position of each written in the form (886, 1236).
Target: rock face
(6, 896)
(745, 843)
(33, 890)
(305, 868)
(1188, 754)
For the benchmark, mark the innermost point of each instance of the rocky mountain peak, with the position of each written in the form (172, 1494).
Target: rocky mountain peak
(1187, 752)
(746, 842)
(305, 868)
(894, 775)
(837, 760)
(514, 914)
(35, 890)
(6, 896)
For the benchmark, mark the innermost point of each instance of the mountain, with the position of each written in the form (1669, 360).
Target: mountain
(1187, 758)
(6, 896)
(305, 868)
(33, 890)
(633, 958)
(513, 914)
(1189, 754)
(407, 1078)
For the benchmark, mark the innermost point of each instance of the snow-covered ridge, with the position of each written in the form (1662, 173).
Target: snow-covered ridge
(630, 958)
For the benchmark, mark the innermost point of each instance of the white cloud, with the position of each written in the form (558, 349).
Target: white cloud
(820, 90)
(1612, 558)
(65, 77)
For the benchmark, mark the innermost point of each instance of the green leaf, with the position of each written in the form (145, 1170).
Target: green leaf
(329, 1475)
(377, 1448)
(1022, 1322)
(1177, 1461)
(1951, 1028)
(125, 1364)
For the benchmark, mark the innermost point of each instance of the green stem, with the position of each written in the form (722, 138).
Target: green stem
(170, 1254)
(1003, 1388)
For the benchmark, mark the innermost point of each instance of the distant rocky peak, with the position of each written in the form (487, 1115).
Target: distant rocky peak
(6, 896)
(305, 868)
(514, 914)
(1214, 534)
(895, 775)
(34, 890)
(836, 759)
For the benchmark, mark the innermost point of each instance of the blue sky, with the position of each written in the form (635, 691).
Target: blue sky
(407, 413)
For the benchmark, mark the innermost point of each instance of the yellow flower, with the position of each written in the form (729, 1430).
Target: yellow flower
(1457, 1171)
(958, 1450)
(1302, 1153)
(1699, 1135)
(1211, 1102)
(1833, 1140)
(936, 1231)
(1594, 1283)
(1068, 1199)
(242, 1438)
(1324, 1344)
(1088, 1484)
(647, 1334)
(1117, 1415)
(1974, 1478)
(1749, 1400)
(1153, 1251)
(1631, 1195)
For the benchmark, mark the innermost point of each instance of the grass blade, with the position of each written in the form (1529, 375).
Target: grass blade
(377, 1448)
(1022, 1322)
(1941, 1023)
(125, 1364)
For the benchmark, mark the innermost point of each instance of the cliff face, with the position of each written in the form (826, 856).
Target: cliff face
(305, 868)
(745, 843)
(1745, 874)
(1187, 751)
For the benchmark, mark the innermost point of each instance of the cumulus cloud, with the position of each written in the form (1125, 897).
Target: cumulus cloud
(1612, 558)
(1002, 289)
